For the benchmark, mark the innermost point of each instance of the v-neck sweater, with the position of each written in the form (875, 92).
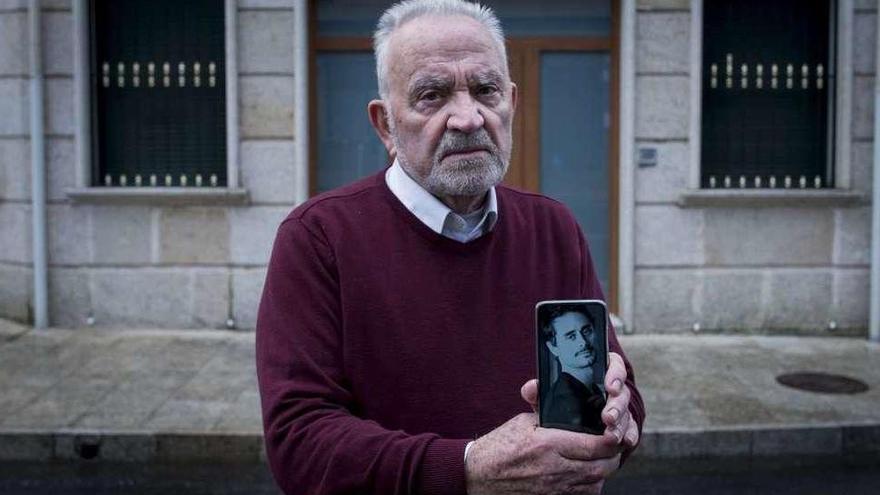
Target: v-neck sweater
(384, 347)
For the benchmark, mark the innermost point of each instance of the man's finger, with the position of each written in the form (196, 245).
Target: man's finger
(529, 393)
(579, 446)
(615, 376)
(631, 437)
(616, 408)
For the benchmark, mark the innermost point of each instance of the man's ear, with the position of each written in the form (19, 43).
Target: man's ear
(552, 348)
(379, 118)
(513, 97)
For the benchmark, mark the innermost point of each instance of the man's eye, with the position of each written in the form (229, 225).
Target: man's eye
(430, 96)
(487, 90)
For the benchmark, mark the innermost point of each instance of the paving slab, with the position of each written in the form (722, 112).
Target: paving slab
(170, 395)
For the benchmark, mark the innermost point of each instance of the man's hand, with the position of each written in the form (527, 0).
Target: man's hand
(616, 416)
(520, 457)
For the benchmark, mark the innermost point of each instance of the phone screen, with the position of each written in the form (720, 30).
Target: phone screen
(572, 359)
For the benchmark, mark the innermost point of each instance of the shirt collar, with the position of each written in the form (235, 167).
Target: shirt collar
(430, 210)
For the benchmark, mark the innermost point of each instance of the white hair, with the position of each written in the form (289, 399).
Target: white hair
(399, 14)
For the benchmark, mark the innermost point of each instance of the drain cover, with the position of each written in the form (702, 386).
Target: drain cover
(823, 383)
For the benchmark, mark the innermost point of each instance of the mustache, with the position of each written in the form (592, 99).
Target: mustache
(456, 142)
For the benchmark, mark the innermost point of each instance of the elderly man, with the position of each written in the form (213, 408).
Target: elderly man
(396, 324)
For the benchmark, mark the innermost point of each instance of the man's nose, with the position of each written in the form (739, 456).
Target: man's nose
(464, 114)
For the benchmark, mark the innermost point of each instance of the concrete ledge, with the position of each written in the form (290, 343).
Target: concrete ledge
(812, 198)
(131, 446)
(158, 196)
(741, 445)
(760, 442)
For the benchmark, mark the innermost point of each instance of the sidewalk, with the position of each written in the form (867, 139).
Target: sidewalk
(162, 395)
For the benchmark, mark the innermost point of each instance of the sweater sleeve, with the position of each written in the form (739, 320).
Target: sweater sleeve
(592, 289)
(314, 442)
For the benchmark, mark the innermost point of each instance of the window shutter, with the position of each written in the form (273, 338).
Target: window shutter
(158, 93)
(768, 87)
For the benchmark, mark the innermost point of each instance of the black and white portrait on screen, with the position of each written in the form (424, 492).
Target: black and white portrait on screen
(572, 353)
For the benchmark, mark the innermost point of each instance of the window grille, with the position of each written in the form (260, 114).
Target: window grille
(768, 94)
(158, 93)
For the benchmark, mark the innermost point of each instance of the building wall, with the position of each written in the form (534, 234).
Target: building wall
(145, 265)
(775, 268)
(739, 268)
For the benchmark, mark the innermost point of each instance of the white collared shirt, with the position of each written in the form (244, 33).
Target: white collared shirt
(435, 214)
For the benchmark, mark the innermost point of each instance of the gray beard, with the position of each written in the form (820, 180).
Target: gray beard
(465, 177)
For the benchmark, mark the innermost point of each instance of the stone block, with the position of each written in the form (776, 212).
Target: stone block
(778, 236)
(862, 167)
(58, 43)
(193, 235)
(721, 443)
(114, 447)
(865, 4)
(14, 101)
(799, 299)
(666, 300)
(666, 181)
(61, 165)
(69, 297)
(663, 42)
(215, 447)
(265, 42)
(864, 42)
(731, 300)
(13, 43)
(266, 106)
(662, 107)
(54, 5)
(16, 284)
(59, 107)
(257, 4)
(863, 107)
(797, 441)
(122, 234)
(142, 298)
(15, 169)
(247, 289)
(69, 234)
(852, 238)
(268, 171)
(211, 294)
(253, 233)
(852, 291)
(861, 439)
(26, 446)
(15, 225)
(668, 235)
(7, 5)
(663, 4)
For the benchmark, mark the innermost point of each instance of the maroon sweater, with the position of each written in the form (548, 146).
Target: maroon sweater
(384, 347)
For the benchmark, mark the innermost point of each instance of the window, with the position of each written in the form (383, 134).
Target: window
(768, 87)
(158, 93)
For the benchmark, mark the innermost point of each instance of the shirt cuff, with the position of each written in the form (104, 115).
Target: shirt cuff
(467, 449)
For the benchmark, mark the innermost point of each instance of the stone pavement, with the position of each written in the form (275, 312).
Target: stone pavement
(157, 395)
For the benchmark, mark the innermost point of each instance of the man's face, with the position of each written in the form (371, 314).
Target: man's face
(574, 340)
(450, 105)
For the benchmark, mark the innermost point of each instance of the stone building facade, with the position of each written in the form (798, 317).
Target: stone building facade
(686, 259)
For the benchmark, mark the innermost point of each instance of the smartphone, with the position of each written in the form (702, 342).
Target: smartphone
(572, 340)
